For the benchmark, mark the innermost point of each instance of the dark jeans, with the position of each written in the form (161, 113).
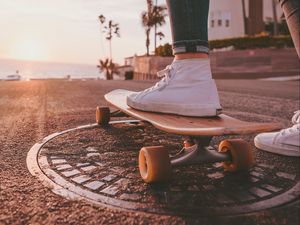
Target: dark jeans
(189, 24)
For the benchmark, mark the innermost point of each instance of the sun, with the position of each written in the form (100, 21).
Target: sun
(29, 50)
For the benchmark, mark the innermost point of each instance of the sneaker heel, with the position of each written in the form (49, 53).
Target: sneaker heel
(218, 111)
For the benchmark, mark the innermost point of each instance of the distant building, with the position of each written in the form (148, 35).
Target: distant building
(127, 67)
(122, 70)
(145, 67)
(239, 64)
(226, 19)
(255, 23)
(129, 61)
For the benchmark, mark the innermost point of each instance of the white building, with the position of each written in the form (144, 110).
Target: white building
(225, 18)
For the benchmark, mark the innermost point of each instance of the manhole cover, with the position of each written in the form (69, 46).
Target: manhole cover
(100, 165)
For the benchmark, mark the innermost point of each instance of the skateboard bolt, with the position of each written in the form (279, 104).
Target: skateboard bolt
(188, 143)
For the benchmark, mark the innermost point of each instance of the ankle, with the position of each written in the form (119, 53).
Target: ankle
(191, 56)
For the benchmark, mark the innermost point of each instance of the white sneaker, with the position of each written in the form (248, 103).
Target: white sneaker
(187, 89)
(284, 142)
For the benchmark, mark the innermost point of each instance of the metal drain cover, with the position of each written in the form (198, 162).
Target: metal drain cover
(100, 165)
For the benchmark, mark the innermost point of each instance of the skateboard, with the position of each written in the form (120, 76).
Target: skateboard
(155, 164)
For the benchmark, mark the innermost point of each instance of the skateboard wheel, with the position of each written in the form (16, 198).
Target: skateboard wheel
(154, 164)
(102, 115)
(241, 154)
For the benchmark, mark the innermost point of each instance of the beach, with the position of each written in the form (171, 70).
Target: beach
(29, 69)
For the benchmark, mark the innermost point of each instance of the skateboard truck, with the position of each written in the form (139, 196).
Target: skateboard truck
(118, 113)
(200, 152)
(155, 163)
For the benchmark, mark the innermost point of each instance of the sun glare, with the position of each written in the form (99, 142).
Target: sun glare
(29, 50)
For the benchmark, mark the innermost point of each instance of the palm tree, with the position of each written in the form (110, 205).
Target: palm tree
(147, 23)
(155, 15)
(159, 14)
(275, 18)
(244, 17)
(160, 35)
(111, 29)
(109, 67)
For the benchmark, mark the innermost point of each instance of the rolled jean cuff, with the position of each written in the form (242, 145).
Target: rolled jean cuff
(190, 46)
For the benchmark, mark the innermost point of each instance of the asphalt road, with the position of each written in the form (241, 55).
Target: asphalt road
(31, 110)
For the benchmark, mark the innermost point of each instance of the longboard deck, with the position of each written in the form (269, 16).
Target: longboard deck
(191, 126)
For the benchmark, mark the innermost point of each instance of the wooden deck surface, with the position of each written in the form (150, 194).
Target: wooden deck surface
(191, 126)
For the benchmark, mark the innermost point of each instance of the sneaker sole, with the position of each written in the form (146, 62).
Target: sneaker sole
(287, 150)
(182, 110)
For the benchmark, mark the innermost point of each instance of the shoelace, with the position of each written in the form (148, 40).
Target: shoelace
(295, 128)
(296, 117)
(166, 74)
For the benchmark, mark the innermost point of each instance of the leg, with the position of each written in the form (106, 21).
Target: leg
(188, 20)
(286, 141)
(187, 87)
(291, 10)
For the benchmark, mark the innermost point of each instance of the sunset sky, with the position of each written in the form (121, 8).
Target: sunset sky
(69, 30)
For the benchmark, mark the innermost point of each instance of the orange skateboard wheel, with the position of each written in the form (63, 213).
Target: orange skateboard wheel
(102, 115)
(241, 154)
(154, 164)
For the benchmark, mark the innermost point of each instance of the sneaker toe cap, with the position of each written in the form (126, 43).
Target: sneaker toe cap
(131, 98)
(265, 138)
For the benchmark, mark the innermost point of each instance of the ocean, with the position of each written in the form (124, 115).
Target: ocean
(47, 70)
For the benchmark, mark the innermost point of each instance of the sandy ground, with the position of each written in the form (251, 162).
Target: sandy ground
(31, 110)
